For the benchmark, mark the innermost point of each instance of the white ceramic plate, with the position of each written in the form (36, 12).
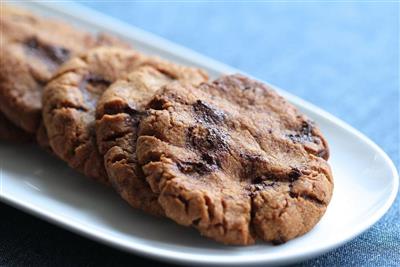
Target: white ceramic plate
(366, 182)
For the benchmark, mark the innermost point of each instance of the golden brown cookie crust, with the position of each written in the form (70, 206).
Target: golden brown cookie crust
(118, 114)
(70, 99)
(235, 160)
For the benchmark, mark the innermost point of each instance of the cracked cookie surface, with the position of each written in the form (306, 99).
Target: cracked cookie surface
(118, 114)
(70, 99)
(235, 160)
(32, 48)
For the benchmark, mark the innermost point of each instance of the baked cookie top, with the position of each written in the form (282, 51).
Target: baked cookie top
(32, 48)
(118, 114)
(235, 160)
(70, 99)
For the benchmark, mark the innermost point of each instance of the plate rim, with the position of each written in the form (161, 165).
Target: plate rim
(184, 258)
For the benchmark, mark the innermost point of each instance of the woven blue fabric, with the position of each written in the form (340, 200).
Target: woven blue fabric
(343, 57)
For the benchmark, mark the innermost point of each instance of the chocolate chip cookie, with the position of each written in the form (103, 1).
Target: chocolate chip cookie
(234, 160)
(32, 48)
(69, 103)
(118, 114)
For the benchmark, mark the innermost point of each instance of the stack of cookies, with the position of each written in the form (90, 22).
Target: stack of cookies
(229, 157)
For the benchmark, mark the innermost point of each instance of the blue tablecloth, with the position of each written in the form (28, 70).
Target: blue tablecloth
(343, 57)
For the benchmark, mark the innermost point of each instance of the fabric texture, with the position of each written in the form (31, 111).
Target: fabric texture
(343, 57)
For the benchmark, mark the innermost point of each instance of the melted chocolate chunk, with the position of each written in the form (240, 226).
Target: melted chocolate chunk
(306, 128)
(157, 103)
(304, 134)
(199, 167)
(208, 114)
(93, 84)
(268, 178)
(97, 81)
(323, 153)
(210, 160)
(213, 140)
(116, 109)
(250, 164)
(254, 188)
(92, 87)
(258, 180)
(211, 143)
(294, 174)
(253, 164)
(307, 197)
(56, 54)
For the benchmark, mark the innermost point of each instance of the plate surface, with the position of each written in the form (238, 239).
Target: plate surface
(366, 181)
